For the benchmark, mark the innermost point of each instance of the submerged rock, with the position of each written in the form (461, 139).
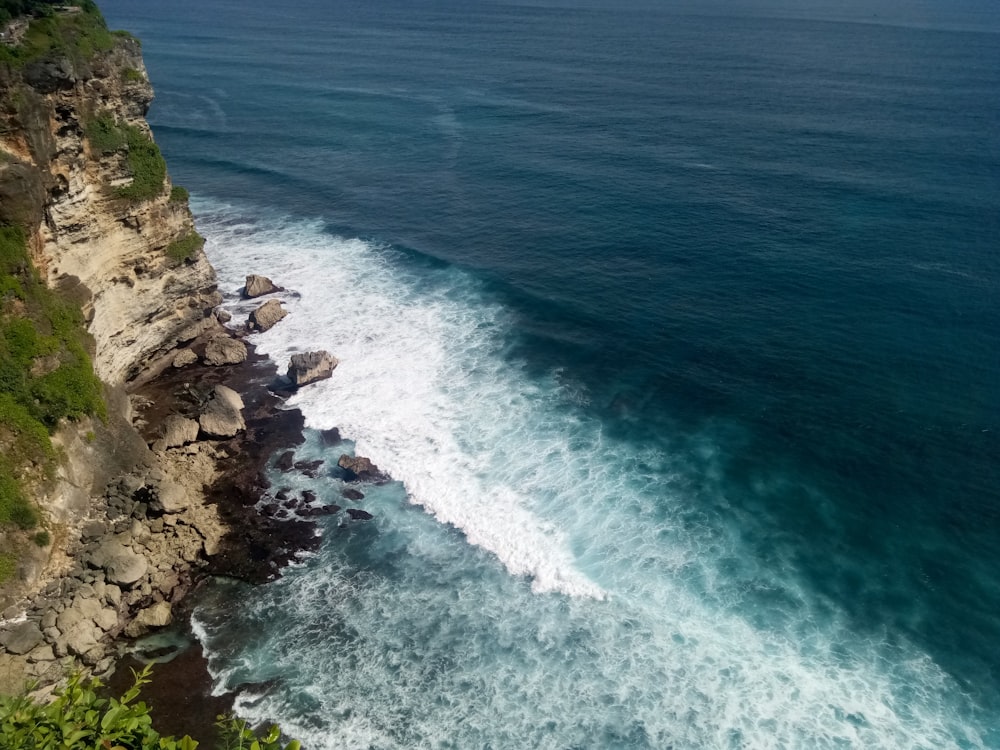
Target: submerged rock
(266, 316)
(359, 515)
(310, 367)
(257, 286)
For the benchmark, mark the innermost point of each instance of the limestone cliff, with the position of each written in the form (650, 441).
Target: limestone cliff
(108, 250)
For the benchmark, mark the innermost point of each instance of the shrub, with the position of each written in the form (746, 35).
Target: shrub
(79, 719)
(131, 75)
(184, 248)
(42, 538)
(179, 194)
(146, 164)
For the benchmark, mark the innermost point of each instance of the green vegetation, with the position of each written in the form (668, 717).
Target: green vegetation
(8, 565)
(42, 539)
(45, 374)
(132, 75)
(145, 161)
(51, 33)
(179, 194)
(184, 248)
(79, 719)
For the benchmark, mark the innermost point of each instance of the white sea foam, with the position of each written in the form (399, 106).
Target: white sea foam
(412, 638)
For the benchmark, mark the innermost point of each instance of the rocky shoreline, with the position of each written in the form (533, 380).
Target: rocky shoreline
(186, 511)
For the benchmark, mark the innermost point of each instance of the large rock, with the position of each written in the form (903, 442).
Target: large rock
(225, 350)
(359, 467)
(178, 430)
(223, 415)
(265, 316)
(258, 286)
(185, 357)
(121, 565)
(172, 497)
(156, 616)
(21, 638)
(310, 367)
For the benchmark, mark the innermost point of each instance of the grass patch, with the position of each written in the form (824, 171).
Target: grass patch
(179, 194)
(184, 248)
(8, 566)
(42, 539)
(76, 35)
(131, 75)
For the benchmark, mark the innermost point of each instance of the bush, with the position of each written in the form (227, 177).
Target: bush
(79, 719)
(42, 539)
(179, 194)
(184, 248)
(145, 162)
(77, 36)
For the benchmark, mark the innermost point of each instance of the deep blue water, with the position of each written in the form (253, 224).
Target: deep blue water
(679, 328)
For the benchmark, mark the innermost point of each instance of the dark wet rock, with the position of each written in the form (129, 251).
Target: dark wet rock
(309, 468)
(310, 367)
(266, 316)
(308, 496)
(323, 510)
(359, 515)
(257, 286)
(352, 494)
(285, 461)
(330, 437)
(282, 494)
(359, 468)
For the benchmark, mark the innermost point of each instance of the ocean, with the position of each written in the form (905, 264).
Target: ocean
(676, 326)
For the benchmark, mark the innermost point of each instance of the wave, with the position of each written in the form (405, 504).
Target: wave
(555, 586)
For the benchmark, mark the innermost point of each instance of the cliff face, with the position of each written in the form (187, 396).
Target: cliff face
(108, 251)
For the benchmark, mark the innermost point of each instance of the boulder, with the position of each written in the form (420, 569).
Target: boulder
(185, 357)
(222, 416)
(178, 430)
(81, 638)
(359, 467)
(121, 564)
(172, 497)
(22, 638)
(225, 350)
(156, 616)
(352, 494)
(223, 316)
(126, 568)
(310, 367)
(265, 316)
(359, 515)
(285, 461)
(257, 286)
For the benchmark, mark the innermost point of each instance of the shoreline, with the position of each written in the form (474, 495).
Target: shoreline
(84, 621)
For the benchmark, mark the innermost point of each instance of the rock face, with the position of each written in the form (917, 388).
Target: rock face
(258, 286)
(111, 253)
(310, 367)
(223, 414)
(265, 316)
(224, 350)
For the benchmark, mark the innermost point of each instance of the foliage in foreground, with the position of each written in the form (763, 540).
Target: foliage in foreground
(79, 719)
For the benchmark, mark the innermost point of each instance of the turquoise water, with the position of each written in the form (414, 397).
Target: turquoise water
(677, 330)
